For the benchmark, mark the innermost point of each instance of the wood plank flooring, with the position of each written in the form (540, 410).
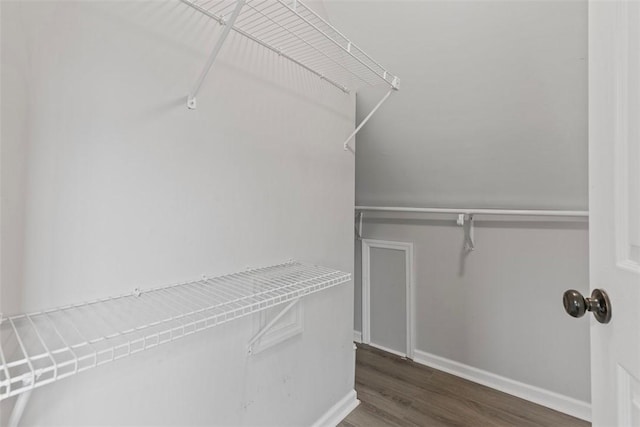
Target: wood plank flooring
(398, 392)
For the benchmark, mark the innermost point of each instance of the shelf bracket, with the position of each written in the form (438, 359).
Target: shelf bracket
(191, 99)
(366, 119)
(466, 221)
(269, 325)
(21, 404)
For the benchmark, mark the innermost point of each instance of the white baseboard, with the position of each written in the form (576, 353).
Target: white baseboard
(388, 350)
(550, 399)
(357, 336)
(339, 411)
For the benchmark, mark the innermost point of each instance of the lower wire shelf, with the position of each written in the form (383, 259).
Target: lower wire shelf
(40, 348)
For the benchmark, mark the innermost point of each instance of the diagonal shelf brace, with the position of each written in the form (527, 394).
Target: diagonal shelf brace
(366, 119)
(21, 404)
(191, 99)
(269, 325)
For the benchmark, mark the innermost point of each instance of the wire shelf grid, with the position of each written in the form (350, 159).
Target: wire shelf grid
(294, 31)
(43, 347)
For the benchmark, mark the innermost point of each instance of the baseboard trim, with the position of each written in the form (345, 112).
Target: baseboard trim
(357, 336)
(339, 411)
(388, 350)
(550, 399)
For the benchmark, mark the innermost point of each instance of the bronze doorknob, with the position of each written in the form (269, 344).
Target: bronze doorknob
(576, 305)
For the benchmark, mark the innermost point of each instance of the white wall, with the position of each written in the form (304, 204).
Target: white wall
(109, 183)
(492, 112)
(492, 108)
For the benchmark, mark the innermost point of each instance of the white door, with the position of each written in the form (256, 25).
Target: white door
(614, 205)
(387, 296)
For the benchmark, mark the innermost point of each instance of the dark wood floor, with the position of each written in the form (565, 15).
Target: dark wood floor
(398, 392)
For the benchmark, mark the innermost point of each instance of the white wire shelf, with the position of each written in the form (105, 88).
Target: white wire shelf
(43, 347)
(294, 31)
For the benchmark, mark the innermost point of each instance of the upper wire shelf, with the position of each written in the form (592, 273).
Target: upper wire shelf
(43, 347)
(294, 31)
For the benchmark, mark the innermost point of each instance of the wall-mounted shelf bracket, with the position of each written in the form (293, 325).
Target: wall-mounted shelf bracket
(466, 221)
(395, 83)
(228, 25)
(269, 325)
(394, 87)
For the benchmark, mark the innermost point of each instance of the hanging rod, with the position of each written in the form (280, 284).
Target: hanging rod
(473, 211)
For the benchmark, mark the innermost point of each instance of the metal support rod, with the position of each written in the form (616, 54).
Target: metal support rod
(470, 211)
(20, 405)
(191, 99)
(269, 325)
(366, 119)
